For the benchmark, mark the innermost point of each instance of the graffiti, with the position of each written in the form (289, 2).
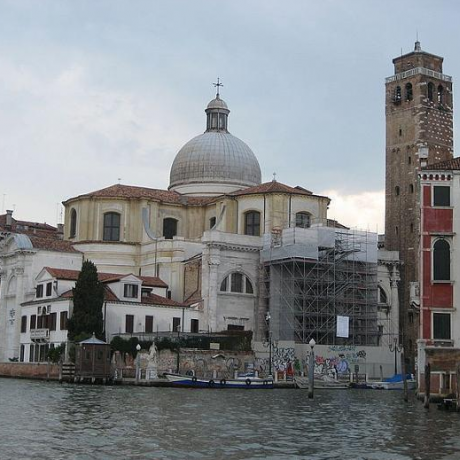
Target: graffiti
(283, 359)
(339, 363)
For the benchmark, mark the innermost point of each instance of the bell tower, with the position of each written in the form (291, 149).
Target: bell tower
(419, 132)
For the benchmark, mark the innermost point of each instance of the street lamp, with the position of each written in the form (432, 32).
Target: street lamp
(311, 369)
(138, 362)
(394, 347)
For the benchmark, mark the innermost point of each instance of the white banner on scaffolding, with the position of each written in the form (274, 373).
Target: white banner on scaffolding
(343, 326)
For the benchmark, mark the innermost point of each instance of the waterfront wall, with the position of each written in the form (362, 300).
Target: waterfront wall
(30, 370)
(290, 357)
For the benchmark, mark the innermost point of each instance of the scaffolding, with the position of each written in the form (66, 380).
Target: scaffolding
(314, 275)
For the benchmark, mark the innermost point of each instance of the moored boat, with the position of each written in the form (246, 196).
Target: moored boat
(248, 383)
(394, 383)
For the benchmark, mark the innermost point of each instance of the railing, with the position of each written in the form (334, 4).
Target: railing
(416, 71)
(40, 334)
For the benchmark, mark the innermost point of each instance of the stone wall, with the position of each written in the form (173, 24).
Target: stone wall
(30, 370)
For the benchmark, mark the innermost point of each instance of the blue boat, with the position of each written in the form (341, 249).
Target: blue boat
(247, 383)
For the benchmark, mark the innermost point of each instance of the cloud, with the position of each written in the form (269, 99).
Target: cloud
(364, 211)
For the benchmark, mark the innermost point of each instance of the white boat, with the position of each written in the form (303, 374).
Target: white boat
(322, 382)
(248, 383)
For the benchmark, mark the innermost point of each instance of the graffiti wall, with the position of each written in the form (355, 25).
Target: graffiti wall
(340, 359)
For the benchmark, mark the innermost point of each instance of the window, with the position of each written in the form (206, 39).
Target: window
(111, 226)
(212, 222)
(252, 223)
(441, 261)
(441, 195)
(194, 326)
(440, 94)
(73, 223)
(396, 231)
(52, 321)
(21, 356)
(23, 323)
(169, 228)
(397, 95)
(430, 91)
(411, 188)
(33, 322)
(412, 228)
(176, 324)
(409, 160)
(63, 321)
(249, 289)
(238, 283)
(409, 93)
(223, 285)
(382, 296)
(149, 324)
(39, 291)
(235, 327)
(131, 291)
(397, 191)
(302, 220)
(400, 133)
(441, 326)
(31, 353)
(49, 289)
(129, 324)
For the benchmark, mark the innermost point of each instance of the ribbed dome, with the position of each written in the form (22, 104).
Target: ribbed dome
(215, 161)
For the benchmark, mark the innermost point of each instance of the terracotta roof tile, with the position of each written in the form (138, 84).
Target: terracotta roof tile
(52, 244)
(29, 228)
(130, 191)
(453, 164)
(272, 187)
(155, 299)
(72, 275)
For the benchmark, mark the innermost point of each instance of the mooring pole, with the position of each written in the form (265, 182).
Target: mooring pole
(403, 371)
(458, 388)
(426, 403)
(311, 370)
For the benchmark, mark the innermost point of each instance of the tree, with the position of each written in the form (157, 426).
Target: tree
(88, 299)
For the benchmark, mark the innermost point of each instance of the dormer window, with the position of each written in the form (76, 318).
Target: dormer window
(131, 291)
(49, 289)
(39, 291)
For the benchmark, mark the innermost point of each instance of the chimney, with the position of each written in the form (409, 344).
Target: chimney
(60, 230)
(9, 219)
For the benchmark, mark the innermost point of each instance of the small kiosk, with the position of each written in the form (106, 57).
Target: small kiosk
(92, 360)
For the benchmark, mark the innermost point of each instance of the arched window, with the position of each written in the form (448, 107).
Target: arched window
(440, 94)
(73, 223)
(409, 93)
(441, 261)
(252, 223)
(430, 91)
(397, 95)
(111, 226)
(212, 222)
(169, 228)
(237, 283)
(303, 220)
(382, 296)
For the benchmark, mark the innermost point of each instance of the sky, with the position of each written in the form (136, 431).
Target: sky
(93, 93)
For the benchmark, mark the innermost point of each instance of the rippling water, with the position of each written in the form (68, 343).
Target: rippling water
(42, 420)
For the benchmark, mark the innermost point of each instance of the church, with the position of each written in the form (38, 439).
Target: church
(228, 253)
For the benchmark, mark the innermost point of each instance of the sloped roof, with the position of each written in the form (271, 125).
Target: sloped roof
(52, 244)
(452, 164)
(134, 192)
(272, 187)
(72, 275)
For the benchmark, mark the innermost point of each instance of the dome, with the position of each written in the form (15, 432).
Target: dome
(215, 162)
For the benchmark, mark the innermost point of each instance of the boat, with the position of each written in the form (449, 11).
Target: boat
(322, 382)
(245, 382)
(394, 383)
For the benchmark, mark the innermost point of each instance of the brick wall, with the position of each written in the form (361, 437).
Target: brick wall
(29, 370)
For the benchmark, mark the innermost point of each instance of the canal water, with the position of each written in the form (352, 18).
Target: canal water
(40, 420)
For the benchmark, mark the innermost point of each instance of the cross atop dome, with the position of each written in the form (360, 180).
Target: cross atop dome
(217, 85)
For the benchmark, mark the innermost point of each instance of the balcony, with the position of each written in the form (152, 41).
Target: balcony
(417, 71)
(40, 335)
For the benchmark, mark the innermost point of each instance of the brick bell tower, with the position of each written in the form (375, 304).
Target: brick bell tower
(419, 132)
